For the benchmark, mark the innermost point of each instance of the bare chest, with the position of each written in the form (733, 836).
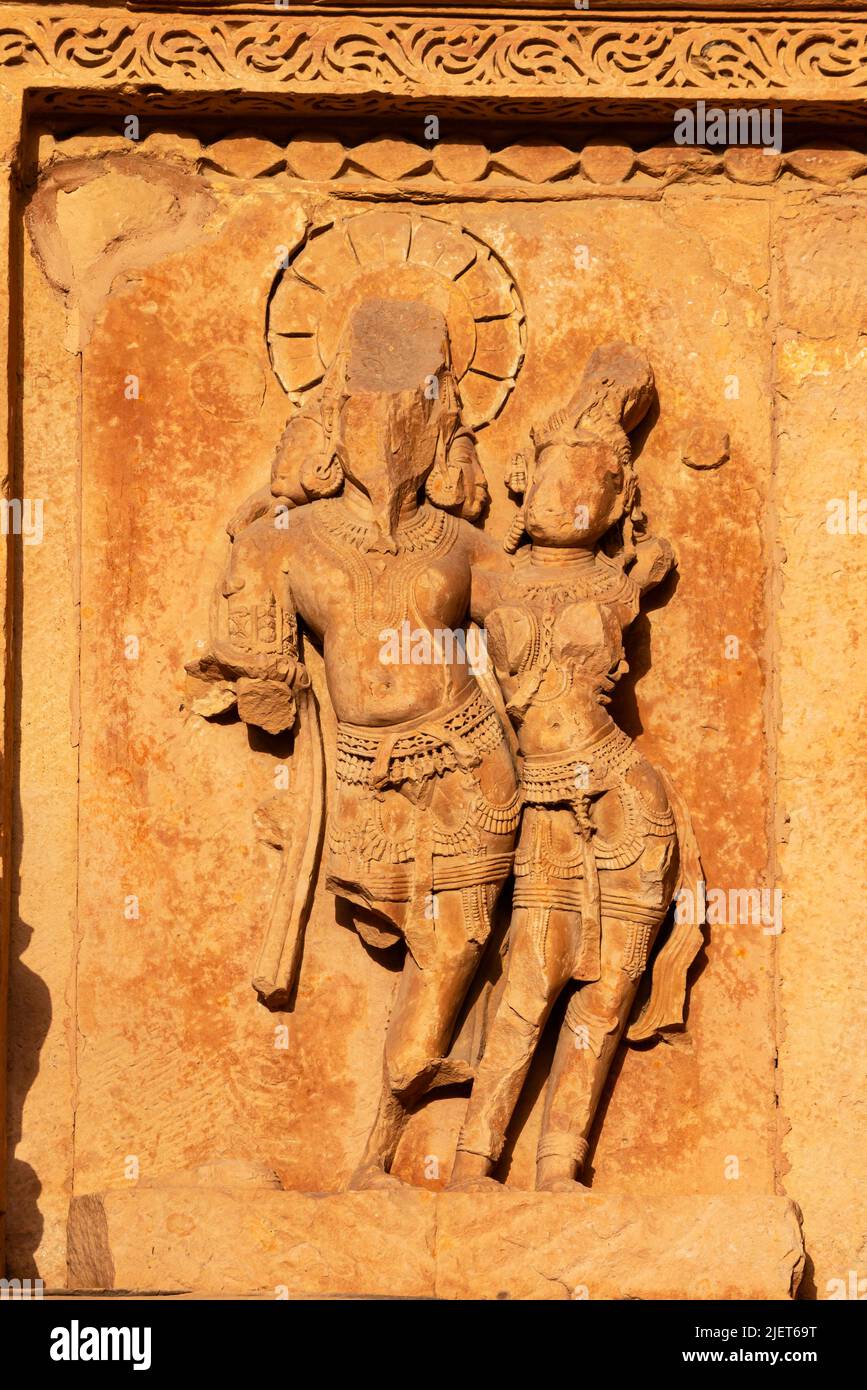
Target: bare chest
(355, 582)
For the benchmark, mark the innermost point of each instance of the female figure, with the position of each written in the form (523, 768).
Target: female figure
(604, 840)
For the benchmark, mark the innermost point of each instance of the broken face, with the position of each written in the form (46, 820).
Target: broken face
(394, 409)
(577, 492)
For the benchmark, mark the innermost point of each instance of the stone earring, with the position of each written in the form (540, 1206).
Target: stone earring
(444, 484)
(516, 532)
(325, 477)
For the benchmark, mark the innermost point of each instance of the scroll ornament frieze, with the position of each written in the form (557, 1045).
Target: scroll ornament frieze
(527, 56)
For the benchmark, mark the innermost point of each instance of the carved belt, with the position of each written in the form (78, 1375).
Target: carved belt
(548, 779)
(455, 736)
(395, 882)
(546, 893)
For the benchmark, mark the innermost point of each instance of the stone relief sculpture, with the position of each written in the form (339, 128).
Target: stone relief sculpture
(155, 163)
(421, 830)
(363, 533)
(605, 841)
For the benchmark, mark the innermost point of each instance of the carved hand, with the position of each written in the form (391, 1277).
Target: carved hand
(258, 504)
(654, 559)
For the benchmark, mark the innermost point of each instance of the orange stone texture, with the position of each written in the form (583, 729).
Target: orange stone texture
(391, 303)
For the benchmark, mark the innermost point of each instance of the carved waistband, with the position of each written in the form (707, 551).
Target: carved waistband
(454, 736)
(557, 893)
(397, 882)
(551, 778)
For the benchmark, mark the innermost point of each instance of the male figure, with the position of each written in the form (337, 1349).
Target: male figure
(424, 813)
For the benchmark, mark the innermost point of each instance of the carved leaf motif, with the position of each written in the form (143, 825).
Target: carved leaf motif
(530, 55)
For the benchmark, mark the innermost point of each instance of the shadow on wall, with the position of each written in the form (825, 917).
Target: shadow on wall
(29, 1021)
(29, 1003)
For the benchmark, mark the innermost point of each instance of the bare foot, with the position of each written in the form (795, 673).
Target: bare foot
(561, 1184)
(372, 1177)
(478, 1183)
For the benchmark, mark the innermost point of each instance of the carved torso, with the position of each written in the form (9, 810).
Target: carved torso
(355, 595)
(556, 641)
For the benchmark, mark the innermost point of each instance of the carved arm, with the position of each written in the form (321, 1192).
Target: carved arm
(254, 658)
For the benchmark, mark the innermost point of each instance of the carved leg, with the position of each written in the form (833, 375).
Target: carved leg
(539, 964)
(420, 1031)
(594, 1022)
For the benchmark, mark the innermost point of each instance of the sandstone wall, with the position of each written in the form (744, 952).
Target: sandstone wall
(136, 1047)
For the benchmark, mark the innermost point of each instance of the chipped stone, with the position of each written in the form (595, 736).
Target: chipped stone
(604, 162)
(705, 446)
(747, 164)
(826, 162)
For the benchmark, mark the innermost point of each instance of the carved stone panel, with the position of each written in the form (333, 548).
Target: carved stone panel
(427, 651)
(195, 1071)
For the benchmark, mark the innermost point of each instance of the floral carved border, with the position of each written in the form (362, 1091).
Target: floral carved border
(521, 59)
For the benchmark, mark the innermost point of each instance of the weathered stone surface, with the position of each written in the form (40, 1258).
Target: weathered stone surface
(45, 934)
(461, 161)
(391, 159)
(677, 161)
(410, 1244)
(746, 165)
(324, 156)
(157, 373)
(176, 1073)
(94, 222)
(821, 378)
(604, 162)
(315, 156)
(377, 1244)
(827, 162)
(705, 445)
(245, 156)
(617, 1247)
(536, 161)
